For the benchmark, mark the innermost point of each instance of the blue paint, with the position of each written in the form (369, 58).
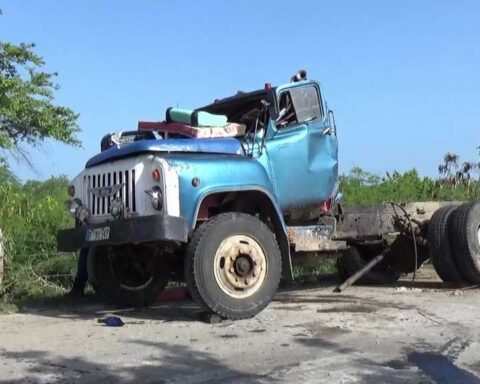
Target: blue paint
(224, 145)
(217, 173)
(301, 160)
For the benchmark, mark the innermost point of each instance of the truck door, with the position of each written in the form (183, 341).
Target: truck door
(302, 149)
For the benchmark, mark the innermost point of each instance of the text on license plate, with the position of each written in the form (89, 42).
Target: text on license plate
(98, 234)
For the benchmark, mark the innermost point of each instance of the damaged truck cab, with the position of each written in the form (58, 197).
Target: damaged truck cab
(205, 197)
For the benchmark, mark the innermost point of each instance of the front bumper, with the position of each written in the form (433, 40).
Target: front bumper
(135, 230)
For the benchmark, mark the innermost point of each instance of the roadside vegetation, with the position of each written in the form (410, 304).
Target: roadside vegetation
(31, 212)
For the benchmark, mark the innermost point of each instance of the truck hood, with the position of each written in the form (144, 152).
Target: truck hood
(228, 146)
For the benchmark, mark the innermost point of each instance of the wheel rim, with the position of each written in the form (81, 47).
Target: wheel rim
(240, 266)
(134, 271)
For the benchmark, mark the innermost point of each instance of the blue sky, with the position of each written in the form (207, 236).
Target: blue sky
(402, 76)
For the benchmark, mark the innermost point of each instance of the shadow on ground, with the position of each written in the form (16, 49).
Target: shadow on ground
(167, 363)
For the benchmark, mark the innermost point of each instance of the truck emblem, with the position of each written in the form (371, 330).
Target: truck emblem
(106, 191)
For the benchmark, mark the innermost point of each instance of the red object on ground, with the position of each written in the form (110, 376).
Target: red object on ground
(172, 295)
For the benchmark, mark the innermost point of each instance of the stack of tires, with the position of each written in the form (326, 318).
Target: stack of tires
(454, 243)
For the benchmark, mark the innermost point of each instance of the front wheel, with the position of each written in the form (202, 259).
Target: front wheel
(233, 265)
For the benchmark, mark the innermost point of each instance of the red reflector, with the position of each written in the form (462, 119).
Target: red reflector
(327, 205)
(156, 175)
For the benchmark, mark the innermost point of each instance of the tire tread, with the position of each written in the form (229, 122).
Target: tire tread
(193, 252)
(463, 250)
(440, 247)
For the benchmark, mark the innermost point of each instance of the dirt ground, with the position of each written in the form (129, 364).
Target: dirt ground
(425, 334)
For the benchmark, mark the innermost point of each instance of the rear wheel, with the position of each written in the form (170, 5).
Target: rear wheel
(465, 237)
(233, 265)
(355, 258)
(440, 246)
(129, 275)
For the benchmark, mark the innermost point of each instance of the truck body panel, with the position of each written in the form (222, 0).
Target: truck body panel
(236, 174)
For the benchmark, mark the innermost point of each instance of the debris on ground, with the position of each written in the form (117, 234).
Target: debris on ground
(112, 321)
(405, 289)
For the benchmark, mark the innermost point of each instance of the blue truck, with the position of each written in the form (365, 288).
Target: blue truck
(231, 196)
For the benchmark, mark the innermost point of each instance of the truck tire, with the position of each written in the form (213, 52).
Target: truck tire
(440, 247)
(465, 237)
(233, 265)
(355, 258)
(129, 275)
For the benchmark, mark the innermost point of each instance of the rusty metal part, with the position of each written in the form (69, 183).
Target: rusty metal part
(315, 237)
(240, 266)
(352, 279)
(377, 221)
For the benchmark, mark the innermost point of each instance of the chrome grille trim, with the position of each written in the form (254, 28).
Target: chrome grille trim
(100, 206)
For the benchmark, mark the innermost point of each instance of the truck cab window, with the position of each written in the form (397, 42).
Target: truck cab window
(306, 103)
(299, 105)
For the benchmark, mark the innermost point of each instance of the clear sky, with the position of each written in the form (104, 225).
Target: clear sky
(402, 76)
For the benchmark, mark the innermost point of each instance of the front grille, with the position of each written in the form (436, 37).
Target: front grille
(101, 205)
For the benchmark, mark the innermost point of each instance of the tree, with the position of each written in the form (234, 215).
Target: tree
(27, 110)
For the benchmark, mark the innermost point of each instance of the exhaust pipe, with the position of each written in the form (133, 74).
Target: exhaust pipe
(300, 75)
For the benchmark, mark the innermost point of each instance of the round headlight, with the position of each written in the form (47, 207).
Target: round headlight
(157, 198)
(82, 214)
(71, 190)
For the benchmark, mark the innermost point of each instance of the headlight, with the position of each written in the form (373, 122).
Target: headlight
(82, 214)
(157, 197)
(71, 190)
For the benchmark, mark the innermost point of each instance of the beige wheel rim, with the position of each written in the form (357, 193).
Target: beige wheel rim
(240, 266)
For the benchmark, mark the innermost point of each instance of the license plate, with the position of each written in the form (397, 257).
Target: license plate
(98, 234)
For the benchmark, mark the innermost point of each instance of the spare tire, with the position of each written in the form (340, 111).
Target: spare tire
(355, 258)
(465, 237)
(439, 244)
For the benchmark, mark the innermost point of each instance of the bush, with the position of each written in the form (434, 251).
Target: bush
(30, 215)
